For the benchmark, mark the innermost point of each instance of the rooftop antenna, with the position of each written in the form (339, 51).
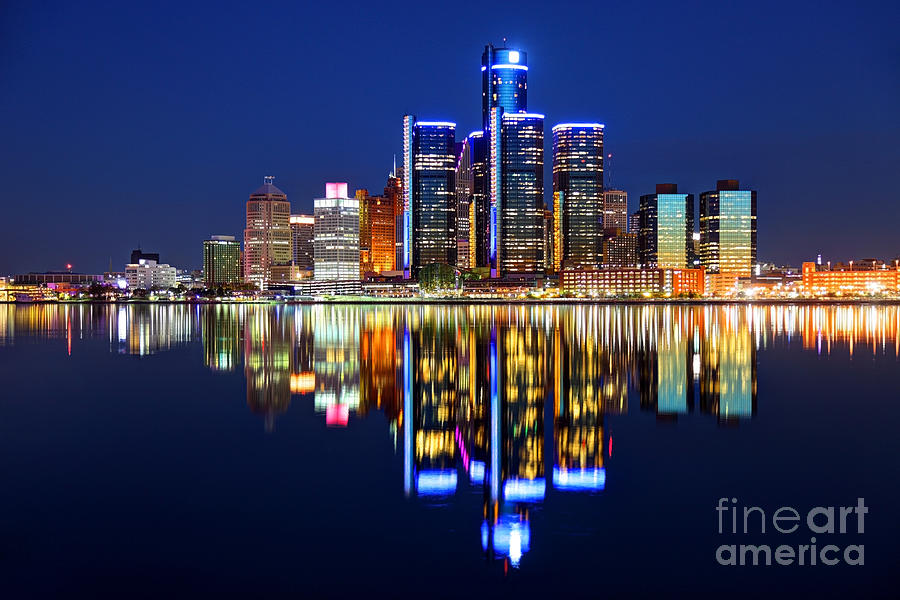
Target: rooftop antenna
(607, 173)
(394, 169)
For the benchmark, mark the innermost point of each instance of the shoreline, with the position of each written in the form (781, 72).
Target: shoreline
(491, 301)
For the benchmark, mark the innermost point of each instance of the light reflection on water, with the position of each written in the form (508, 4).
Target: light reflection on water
(471, 392)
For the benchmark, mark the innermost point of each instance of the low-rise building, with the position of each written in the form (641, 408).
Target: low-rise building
(845, 279)
(148, 275)
(633, 282)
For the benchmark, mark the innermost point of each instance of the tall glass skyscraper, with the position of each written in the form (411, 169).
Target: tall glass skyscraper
(578, 179)
(517, 192)
(429, 188)
(728, 229)
(336, 245)
(667, 227)
(504, 81)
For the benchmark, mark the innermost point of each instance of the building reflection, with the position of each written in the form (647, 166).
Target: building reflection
(512, 403)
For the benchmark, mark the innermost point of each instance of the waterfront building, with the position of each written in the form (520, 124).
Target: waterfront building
(615, 210)
(376, 233)
(504, 82)
(336, 246)
(221, 260)
(149, 275)
(517, 193)
(850, 279)
(667, 227)
(59, 277)
(465, 208)
(632, 282)
(267, 236)
(578, 181)
(393, 191)
(549, 239)
(429, 189)
(728, 229)
(303, 231)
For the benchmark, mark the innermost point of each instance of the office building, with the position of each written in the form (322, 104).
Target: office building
(267, 237)
(393, 191)
(221, 260)
(632, 282)
(336, 246)
(850, 280)
(634, 222)
(728, 229)
(620, 250)
(465, 208)
(667, 227)
(138, 255)
(303, 229)
(429, 189)
(149, 275)
(376, 233)
(517, 193)
(578, 181)
(615, 210)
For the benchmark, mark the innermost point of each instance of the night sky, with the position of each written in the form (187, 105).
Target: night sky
(123, 124)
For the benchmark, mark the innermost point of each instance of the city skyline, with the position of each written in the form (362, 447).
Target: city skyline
(774, 142)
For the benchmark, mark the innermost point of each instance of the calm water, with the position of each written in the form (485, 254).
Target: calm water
(532, 451)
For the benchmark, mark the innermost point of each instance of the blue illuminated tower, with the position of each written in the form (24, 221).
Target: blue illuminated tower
(429, 194)
(504, 81)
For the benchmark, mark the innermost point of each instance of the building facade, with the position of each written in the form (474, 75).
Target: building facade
(267, 236)
(620, 250)
(728, 229)
(666, 227)
(517, 193)
(578, 181)
(465, 208)
(429, 189)
(149, 275)
(376, 233)
(221, 260)
(336, 246)
(615, 210)
(632, 282)
(847, 280)
(303, 231)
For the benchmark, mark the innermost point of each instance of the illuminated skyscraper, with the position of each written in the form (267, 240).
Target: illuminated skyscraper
(504, 82)
(667, 227)
(393, 191)
(376, 233)
(429, 189)
(303, 231)
(465, 209)
(517, 192)
(267, 237)
(615, 210)
(578, 179)
(336, 255)
(221, 260)
(634, 222)
(728, 229)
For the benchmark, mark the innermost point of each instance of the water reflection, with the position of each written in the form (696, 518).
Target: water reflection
(510, 402)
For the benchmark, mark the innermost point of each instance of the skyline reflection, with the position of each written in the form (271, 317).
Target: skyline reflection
(510, 401)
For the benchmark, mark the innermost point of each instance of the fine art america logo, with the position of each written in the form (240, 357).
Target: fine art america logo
(838, 524)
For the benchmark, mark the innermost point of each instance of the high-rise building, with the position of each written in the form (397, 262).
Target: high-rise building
(479, 234)
(429, 189)
(465, 209)
(221, 260)
(728, 229)
(516, 192)
(393, 191)
(615, 210)
(303, 228)
(504, 82)
(549, 237)
(267, 237)
(336, 247)
(578, 179)
(620, 250)
(376, 233)
(634, 222)
(138, 255)
(667, 227)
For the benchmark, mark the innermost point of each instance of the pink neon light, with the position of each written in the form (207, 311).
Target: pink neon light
(336, 190)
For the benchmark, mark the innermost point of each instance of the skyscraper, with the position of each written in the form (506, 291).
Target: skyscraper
(267, 237)
(303, 229)
(464, 206)
(578, 179)
(615, 210)
(221, 260)
(393, 191)
(504, 81)
(376, 233)
(728, 229)
(667, 227)
(634, 222)
(516, 192)
(336, 254)
(429, 189)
